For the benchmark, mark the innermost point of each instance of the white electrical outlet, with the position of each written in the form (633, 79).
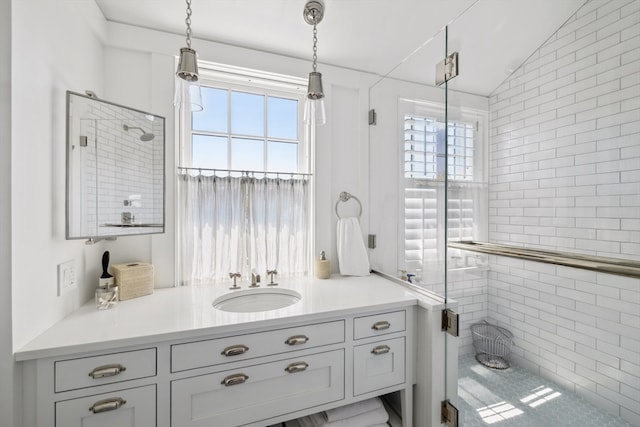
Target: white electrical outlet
(66, 277)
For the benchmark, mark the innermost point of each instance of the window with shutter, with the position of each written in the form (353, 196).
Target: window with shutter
(424, 187)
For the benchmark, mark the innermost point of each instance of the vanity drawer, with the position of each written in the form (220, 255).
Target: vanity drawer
(134, 407)
(379, 324)
(241, 347)
(258, 392)
(104, 369)
(378, 365)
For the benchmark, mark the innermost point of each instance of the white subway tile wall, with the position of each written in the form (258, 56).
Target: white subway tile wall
(565, 175)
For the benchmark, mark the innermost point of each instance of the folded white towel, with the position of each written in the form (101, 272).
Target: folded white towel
(348, 411)
(367, 419)
(352, 254)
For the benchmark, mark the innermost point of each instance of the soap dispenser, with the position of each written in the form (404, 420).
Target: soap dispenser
(323, 268)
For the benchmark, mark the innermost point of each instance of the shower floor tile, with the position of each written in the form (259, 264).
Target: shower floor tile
(517, 397)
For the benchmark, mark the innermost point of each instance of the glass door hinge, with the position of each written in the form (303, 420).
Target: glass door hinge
(449, 414)
(373, 117)
(450, 320)
(447, 69)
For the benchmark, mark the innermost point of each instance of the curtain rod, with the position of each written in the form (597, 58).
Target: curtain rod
(245, 172)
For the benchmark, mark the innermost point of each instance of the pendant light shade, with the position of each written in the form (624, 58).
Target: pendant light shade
(188, 94)
(314, 110)
(188, 65)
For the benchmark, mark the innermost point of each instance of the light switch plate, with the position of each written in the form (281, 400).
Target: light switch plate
(66, 277)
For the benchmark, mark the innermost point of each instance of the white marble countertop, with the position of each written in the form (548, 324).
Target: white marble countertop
(187, 312)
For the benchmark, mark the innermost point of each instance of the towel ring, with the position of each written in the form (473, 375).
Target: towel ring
(344, 196)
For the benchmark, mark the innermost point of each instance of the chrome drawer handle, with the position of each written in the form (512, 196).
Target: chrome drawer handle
(235, 350)
(234, 379)
(381, 349)
(379, 326)
(297, 339)
(296, 367)
(107, 371)
(107, 405)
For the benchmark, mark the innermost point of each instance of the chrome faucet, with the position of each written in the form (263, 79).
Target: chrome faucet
(271, 273)
(255, 280)
(234, 276)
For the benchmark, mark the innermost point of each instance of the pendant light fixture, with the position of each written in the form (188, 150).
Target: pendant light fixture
(188, 93)
(314, 111)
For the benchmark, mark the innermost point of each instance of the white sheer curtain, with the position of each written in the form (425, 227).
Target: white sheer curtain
(239, 224)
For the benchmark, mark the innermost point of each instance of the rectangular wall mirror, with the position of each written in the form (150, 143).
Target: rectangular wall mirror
(115, 170)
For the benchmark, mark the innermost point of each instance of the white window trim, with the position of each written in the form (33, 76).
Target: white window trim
(250, 81)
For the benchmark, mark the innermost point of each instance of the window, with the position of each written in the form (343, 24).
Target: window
(244, 191)
(424, 185)
(244, 127)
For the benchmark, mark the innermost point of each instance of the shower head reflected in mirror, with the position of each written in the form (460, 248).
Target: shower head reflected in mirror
(144, 137)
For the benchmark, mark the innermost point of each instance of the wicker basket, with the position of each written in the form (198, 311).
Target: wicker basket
(133, 279)
(492, 344)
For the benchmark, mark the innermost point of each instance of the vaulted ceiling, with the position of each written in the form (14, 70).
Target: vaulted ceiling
(400, 38)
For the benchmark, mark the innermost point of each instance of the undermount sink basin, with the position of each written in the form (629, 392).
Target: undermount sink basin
(253, 300)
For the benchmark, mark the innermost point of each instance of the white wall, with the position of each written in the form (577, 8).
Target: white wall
(341, 145)
(45, 62)
(102, 57)
(9, 371)
(565, 175)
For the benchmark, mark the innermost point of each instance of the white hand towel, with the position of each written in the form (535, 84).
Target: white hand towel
(353, 409)
(371, 418)
(352, 254)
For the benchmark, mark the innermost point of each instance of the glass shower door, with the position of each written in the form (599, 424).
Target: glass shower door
(409, 213)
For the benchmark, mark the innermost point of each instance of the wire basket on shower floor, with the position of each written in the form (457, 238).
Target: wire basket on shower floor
(492, 344)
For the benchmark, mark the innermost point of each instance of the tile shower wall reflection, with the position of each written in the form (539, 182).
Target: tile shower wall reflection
(120, 173)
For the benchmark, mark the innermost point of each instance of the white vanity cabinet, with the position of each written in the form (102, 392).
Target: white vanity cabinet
(254, 376)
(114, 388)
(122, 408)
(257, 392)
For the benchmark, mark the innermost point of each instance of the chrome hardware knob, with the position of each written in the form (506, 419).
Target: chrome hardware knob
(381, 349)
(297, 339)
(234, 379)
(271, 273)
(381, 325)
(235, 350)
(107, 405)
(296, 367)
(107, 371)
(234, 276)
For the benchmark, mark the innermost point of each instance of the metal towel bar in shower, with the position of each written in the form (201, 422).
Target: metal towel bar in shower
(344, 196)
(622, 267)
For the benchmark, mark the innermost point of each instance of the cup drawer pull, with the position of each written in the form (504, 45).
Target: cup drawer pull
(107, 405)
(296, 367)
(107, 371)
(381, 325)
(234, 379)
(235, 350)
(297, 339)
(381, 349)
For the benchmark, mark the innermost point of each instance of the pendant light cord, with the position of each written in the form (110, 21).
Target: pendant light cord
(188, 22)
(315, 46)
